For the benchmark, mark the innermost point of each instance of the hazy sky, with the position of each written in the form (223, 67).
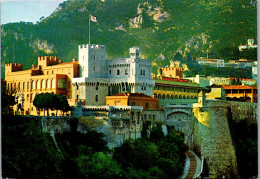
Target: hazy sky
(26, 10)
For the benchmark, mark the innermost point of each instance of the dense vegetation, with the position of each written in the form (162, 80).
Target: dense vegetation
(198, 28)
(28, 152)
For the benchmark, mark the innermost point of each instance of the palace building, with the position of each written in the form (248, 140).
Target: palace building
(100, 77)
(97, 81)
(51, 75)
(175, 91)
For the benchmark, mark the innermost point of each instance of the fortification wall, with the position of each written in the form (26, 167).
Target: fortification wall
(213, 139)
(243, 111)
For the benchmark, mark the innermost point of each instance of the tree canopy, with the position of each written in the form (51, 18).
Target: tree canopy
(47, 101)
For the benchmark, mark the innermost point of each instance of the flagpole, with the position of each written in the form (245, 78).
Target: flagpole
(89, 29)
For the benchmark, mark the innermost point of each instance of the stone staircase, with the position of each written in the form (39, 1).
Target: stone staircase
(193, 166)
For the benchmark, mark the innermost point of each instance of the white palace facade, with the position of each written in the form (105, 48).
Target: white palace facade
(100, 77)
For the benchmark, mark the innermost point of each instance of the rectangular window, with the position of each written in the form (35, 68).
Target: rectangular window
(96, 98)
(110, 72)
(133, 103)
(146, 105)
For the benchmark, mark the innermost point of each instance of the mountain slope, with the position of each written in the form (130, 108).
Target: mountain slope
(161, 28)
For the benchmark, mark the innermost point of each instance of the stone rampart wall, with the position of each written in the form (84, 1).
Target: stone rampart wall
(213, 139)
(243, 111)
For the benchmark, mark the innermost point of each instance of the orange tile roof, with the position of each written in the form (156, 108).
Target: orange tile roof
(174, 79)
(247, 80)
(238, 87)
(133, 95)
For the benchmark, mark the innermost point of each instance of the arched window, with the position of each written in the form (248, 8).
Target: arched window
(118, 72)
(53, 84)
(96, 98)
(180, 97)
(172, 97)
(159, 96)
(155, 95)
(168, 96)
(38, 84)
(48, 83)
(28, 85)
(33, 84)
(163, 96)
(144, 72)
(43, 84)
(176, 97)
(126, 72)
(23, 85)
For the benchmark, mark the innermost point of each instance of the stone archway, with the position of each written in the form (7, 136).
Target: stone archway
(181, 117)
(182, 122)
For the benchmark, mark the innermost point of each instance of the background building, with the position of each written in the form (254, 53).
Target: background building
(241, 93)
(250, 44)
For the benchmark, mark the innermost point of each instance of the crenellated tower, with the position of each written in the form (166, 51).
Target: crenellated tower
(13, 67)
(92, 61)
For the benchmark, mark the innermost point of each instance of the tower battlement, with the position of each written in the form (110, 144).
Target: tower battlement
(172, 72)
(172, 68)
(92, 46)
(134, 52)
(47, 61)
(13, 67)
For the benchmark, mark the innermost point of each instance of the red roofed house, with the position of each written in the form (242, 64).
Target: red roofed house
(132, 99)
(240, 92)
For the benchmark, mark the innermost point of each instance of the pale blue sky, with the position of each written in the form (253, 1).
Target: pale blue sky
(26, 10)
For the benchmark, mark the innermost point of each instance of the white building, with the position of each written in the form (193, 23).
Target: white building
(254, 72)
(200, 79)
(100, 77)
(212, 62)
(219, 81)
(250, 44)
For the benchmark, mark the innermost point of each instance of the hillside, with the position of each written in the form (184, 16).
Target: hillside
(161, 28)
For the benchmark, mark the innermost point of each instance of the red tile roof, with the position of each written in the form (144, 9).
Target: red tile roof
(238, 87)
(133, 95)
(174, 79)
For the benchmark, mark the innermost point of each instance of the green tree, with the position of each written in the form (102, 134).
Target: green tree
(44, 101)
(47, 101)
(98, 165)
(7, 99)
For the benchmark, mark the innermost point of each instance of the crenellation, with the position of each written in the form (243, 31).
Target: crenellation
(13, 67)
